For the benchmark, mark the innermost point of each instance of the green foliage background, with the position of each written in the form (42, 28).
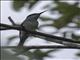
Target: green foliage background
(70, 14)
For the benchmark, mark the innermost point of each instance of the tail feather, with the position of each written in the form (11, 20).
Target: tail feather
(23, 36)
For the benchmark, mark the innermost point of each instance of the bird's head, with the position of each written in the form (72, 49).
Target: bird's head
(35, 16)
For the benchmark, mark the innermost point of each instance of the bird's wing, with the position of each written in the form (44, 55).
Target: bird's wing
(30, 25)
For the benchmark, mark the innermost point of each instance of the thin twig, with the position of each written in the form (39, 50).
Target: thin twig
(43, 47)
(39, 33)
(11, 20)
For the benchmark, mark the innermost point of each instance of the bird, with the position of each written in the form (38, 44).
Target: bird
(30, 23)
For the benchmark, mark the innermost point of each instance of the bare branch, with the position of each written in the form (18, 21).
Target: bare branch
(3, 28)
(43, 47)
(39, 33)
(11, 20)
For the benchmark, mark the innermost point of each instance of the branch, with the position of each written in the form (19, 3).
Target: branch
(39, 33)
(42, 47)
(3, 28)
(11, 20)
(49, 39)
(61, 42)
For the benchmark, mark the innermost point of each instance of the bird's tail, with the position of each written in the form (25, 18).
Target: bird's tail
(23, 36)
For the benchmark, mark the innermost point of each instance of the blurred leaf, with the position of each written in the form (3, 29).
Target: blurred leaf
(11, 38)
(46, 6)
(21, 51)
(78, 24)
(38, 54)
(6, 55)
(66, 8)
(46, 18)
(56, 1)
(63, 21)
(18, 4)
(77, 38)
(68, 11)
(78, 54)
(32, 3)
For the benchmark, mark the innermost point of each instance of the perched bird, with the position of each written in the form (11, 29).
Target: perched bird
(30, 23)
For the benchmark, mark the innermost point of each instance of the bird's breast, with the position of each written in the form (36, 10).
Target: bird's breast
(31, 25)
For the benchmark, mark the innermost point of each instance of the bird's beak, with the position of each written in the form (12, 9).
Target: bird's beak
(43, 11)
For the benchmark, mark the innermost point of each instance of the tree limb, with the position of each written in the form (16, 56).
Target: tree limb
(39, 33)
(43, 47)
